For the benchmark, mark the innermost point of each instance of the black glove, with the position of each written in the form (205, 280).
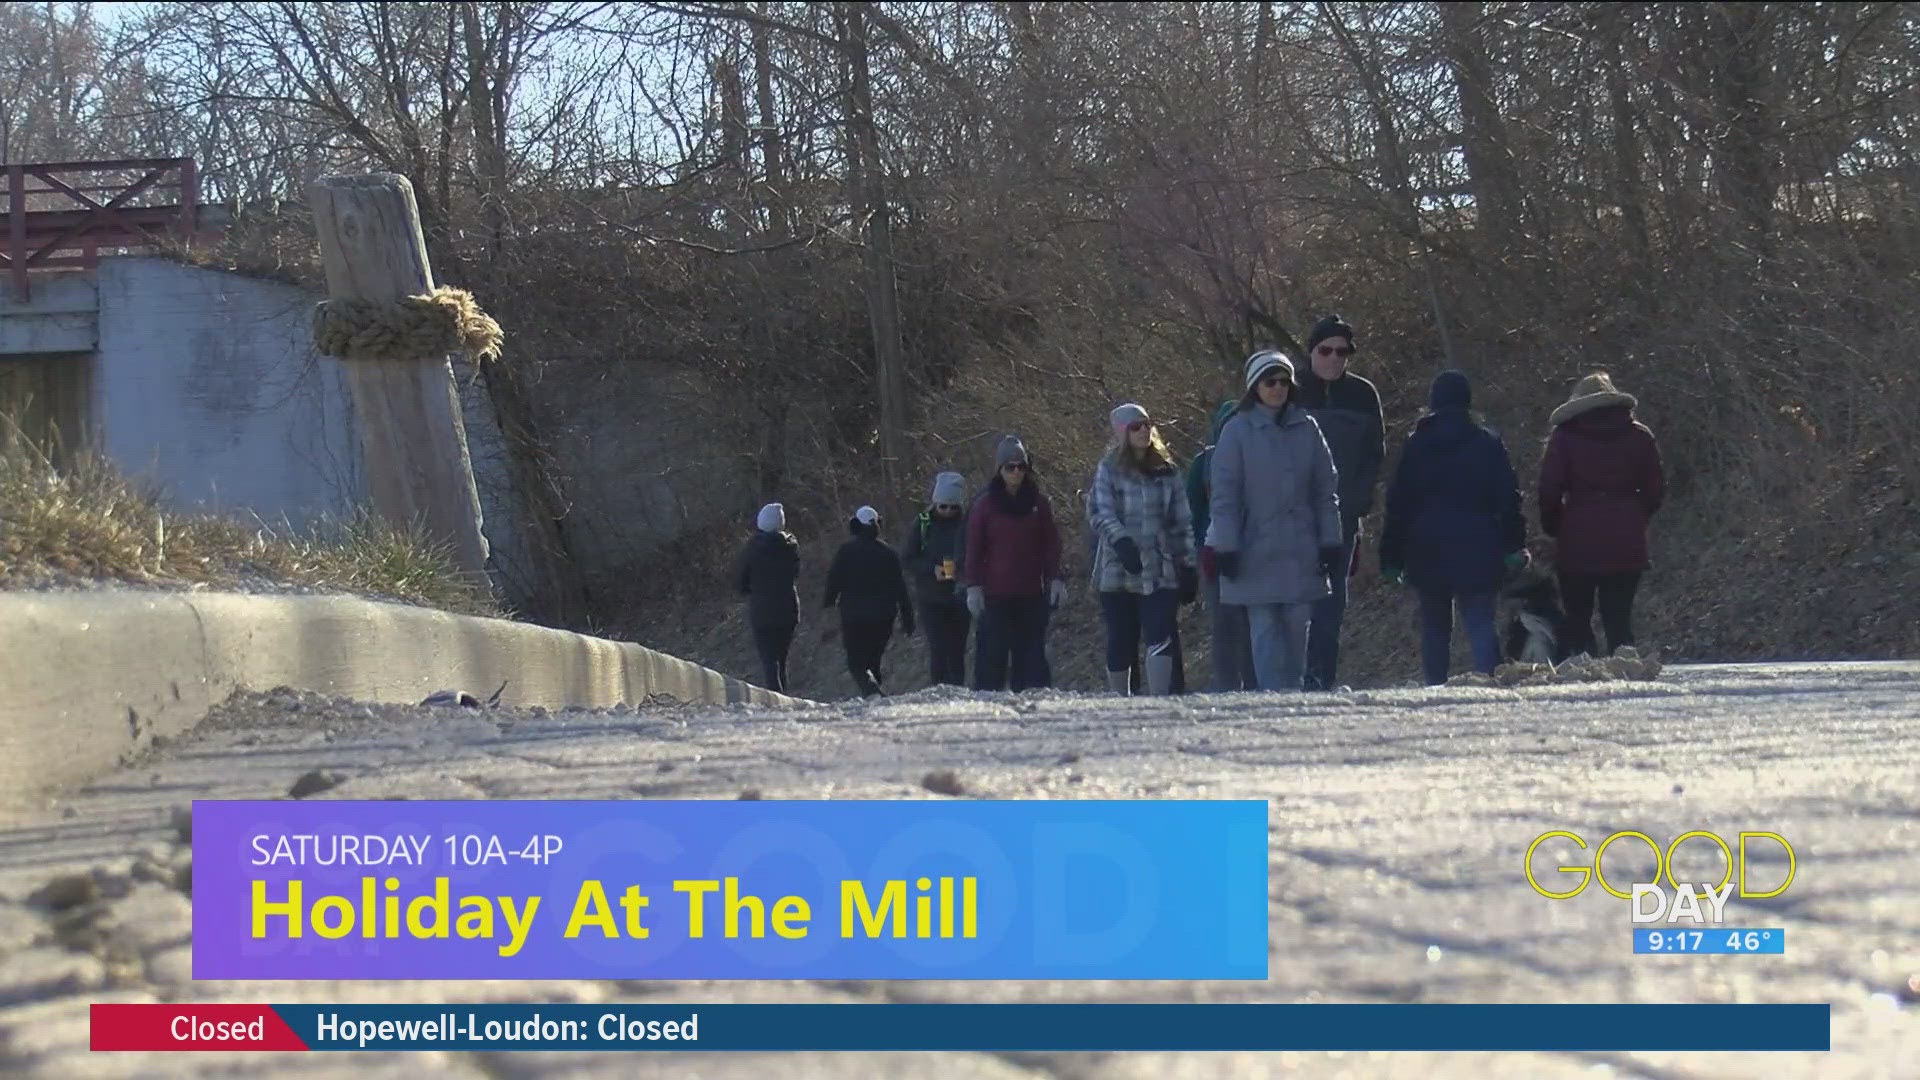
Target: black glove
(1129, 553)
(1332, 561)
(1227, 562)
(1189, 585)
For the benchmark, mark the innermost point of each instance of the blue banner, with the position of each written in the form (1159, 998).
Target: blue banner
(992, 1028)
(1721, 940)
(923, 889)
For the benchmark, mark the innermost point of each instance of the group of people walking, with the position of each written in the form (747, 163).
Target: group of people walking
(1263, 527)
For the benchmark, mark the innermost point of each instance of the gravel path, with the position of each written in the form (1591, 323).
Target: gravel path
(1400, 821)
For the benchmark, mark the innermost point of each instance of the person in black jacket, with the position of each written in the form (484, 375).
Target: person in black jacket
(1455, 528)
(866, 582)
(1347, 408)
(767, 574)
(933, 554)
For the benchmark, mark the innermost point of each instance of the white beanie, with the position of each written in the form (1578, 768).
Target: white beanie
(773, 518)
(1264, 361)
(1126, 416)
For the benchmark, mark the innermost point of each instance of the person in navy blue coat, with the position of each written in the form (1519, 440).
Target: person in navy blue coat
(1454, 528)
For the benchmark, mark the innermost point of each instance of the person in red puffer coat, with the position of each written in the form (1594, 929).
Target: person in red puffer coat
(1600, 485)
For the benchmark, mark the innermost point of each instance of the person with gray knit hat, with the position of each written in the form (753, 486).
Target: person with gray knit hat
(933, 552)
(1145, 562)
(1347, 408)
(1275, 512)
(767, 573)
(1013, 574)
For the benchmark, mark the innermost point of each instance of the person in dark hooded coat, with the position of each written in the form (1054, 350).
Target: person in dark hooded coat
(1454, 528)
(869, 585)
(767, 573)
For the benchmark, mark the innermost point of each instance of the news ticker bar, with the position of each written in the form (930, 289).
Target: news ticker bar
(932, 1027)
(1721, 940)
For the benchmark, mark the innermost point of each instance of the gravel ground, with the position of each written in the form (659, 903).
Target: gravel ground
(1400, 819)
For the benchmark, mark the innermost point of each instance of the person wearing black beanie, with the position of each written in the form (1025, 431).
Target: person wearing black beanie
(1347, 408)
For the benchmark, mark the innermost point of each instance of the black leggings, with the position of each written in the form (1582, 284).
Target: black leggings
(773, 644)
(1615, 595)
(866, 642)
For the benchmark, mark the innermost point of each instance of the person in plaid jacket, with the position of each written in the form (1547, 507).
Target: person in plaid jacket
(1146, 563)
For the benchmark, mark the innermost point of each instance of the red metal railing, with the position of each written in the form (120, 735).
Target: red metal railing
(58, 223)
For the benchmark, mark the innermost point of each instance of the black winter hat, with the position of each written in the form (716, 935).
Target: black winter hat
(1451, 390)
(1331, 326)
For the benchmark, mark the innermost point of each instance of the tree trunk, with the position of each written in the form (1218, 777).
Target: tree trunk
(1490, 167)
(413, 439)
(870, 199)
(561, 597)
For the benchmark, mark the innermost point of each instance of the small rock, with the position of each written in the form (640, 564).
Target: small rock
(664, 767)
(750, 795)
(315, 782)
(1070, 757)
(67, 891)
(183, 879)
(183, 823)
(1679, 789)
(943, 782)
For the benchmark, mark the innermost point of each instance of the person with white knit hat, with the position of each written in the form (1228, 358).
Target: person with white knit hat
(866, 582)
(1276, 529)
(934, 551)
(1145, 563)
(767, 573)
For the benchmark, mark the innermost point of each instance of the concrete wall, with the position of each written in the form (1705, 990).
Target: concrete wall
(206, 384)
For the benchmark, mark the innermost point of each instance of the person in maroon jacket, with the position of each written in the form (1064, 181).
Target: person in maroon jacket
(1012, 575)
(1600, 484)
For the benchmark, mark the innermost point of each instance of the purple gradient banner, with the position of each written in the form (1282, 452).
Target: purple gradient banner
(1073, 889)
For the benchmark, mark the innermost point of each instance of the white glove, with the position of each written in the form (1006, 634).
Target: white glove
(977, 601)
(1058, 593)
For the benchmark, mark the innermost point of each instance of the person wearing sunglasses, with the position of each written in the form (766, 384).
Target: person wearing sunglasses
(1013, 575)
(1144, 566)
(1275, 519)
(1347, 408)
(934, 552)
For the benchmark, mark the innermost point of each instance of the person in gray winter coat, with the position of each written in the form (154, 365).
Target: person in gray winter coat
(1276, 530)
(1145, 561)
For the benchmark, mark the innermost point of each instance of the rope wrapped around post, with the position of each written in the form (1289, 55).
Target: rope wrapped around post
(428, 327)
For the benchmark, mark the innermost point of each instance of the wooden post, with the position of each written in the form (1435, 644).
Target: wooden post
(412, 437)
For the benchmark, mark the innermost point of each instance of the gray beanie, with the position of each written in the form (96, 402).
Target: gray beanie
(1011, 450)
(1264, 361)
(949, 489)
(773, 518)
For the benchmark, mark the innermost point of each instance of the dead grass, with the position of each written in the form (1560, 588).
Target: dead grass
(84, 525)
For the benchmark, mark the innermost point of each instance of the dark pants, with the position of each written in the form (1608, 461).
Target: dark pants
(866, 643)
(1436, 631)
(1010, 645)
(1323, 633)
(946, 627)
(1131, 617)
(773, 643)
(1615, 594)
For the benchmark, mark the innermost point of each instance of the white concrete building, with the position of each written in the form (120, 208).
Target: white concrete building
(201, 383)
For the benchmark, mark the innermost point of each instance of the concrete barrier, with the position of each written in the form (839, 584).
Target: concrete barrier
(87, 678)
